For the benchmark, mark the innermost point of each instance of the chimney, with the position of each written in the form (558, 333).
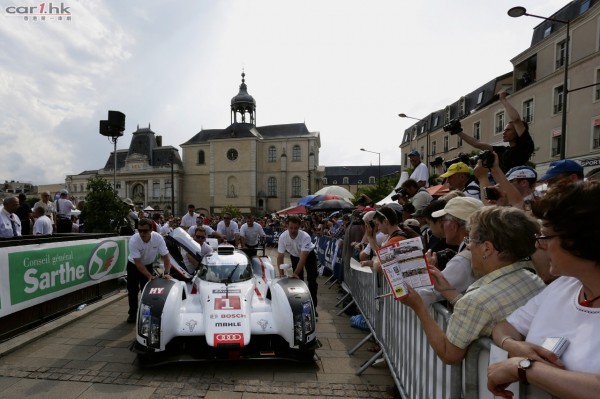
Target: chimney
(159, 141)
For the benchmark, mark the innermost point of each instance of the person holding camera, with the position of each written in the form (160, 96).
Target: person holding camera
(516, 134)
(420, 172)
(459, 178)
(411, 191)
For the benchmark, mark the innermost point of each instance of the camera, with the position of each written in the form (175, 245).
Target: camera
(487, 158)
(443, 257)
(400, 192)
(492, 193)
(372, 224)
(462, 157)
(454, 127)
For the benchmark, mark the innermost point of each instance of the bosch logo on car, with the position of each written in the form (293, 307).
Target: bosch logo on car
(233, 316)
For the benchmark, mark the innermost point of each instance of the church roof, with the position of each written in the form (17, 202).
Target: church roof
(241, 130)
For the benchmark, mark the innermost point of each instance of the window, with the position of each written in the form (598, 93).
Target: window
(155, 189)
(499, 122)
(597, 88)
(436, 120)
(561, 53)
(359, 182)
(584, 6)
(558, 99)
(447, 115)
(81, 187)
(547, 31)
(477, 130)
(272, 154)
(422, 150)
(461, 106)
(345, 180)
(422, 129)
(433, 147)
(371, 179)
(296, 186)
(446, 142)
(479, 97)
(201, 159)
(272, 186)
(459, 141)
(296, 153)
(556, 145)
(168, 189)
(528, 110)
(405, 159)
(414, 132)
(596, 136)
(324, 181)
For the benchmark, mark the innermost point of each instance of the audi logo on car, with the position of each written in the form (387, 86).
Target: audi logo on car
(228, 337)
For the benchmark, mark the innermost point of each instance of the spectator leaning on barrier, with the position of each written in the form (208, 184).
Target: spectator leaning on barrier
(418, 196)
(459, 177)
(569, 308)
(458, 271)
(499, 238)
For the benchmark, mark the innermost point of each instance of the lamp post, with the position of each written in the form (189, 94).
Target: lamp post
(403, 115)
(172, 186)
(379, 163)
(516, 12)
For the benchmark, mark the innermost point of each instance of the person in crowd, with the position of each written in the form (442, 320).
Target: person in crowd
(420, 173)
(144, 247)
(251, 234)
(353, 237)
(42, 224)
(229, 230)
(568, 308)
(366, 254)
(523, 178)
(458, 271)
(190, 262)
(499, 238)
(302, 255)
(565, 169)
(418, 196)
(189, 219)
(412, 224)
(74, 224)
(10, 225)
(50, 209)
(156, 225)
(25, 215)
(516, 134)
(64, 207)
(209, 230)
(433, 236)
(459, 177)
(386, 221)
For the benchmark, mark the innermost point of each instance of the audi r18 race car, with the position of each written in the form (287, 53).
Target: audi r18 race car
(233, 306)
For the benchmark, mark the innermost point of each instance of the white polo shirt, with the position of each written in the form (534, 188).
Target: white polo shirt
(229, 232)
(251, 234)
(43, 225)
(302, 243)
(147, 251)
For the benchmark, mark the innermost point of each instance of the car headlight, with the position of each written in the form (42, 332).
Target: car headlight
(304, 324)
(149, 326)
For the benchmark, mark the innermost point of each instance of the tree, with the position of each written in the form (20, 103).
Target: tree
(379, 191)
(104, 212)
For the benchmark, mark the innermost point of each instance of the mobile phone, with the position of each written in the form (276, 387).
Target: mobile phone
(492, 193)
(372, 224)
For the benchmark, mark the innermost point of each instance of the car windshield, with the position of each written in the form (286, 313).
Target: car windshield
(226, 273)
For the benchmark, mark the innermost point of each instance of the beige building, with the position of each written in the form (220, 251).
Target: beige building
(256, 169)
(536, 84)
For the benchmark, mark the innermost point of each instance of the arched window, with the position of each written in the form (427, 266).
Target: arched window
(272, 154)
(272, 187)
(345, 180)
(371, 179)
(296, 186)
(296, 153)
(201, 157)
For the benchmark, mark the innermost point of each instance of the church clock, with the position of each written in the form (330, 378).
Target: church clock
(232, 154)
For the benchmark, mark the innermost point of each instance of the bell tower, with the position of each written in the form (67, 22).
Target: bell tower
(243, 106)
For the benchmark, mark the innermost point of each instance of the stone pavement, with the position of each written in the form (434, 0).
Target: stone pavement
(85, 355)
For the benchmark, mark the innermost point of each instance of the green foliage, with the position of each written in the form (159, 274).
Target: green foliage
(233, 210)
(104, 212)
(379, 191)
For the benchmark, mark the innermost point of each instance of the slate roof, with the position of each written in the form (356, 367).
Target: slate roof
(356, 173)
(241, 130)
(567, 13)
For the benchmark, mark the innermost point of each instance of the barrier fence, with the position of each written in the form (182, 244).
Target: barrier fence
(415, 368)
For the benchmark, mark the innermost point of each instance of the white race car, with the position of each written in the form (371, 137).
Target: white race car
(233, 306)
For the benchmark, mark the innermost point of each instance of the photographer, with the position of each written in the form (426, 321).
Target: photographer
(459, 177)
(516, 134)
(411, 191)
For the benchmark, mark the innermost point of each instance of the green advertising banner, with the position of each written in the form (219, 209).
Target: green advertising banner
(35, 273)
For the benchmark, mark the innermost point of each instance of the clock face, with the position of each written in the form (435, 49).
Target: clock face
(232, 154)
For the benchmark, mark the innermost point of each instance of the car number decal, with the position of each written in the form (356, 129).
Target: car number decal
(228, 303)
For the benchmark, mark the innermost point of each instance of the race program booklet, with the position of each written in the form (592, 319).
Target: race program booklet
(403, 263)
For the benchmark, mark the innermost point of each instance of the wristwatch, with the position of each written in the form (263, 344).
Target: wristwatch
(524, 365)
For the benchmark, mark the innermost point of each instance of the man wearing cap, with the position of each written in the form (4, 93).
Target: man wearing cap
(63, 213)
(418, 195)
(420, 173)
(523, 178)
(459, 178)
(49, 208)
(458, 272)
(516, 134)
(565, 169)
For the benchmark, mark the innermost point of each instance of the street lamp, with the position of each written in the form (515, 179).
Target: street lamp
(379, 157)
(516, 12)
(113, 128)
(402, 115)
(172, 186)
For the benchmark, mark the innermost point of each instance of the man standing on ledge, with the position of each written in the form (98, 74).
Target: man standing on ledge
(516, 134)
(302, 253)
(420, 172)
(144, 246)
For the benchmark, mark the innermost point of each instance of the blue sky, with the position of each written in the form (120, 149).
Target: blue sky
(345, 68)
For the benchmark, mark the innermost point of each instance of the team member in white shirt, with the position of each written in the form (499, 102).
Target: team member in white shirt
(144, 246)
(191, 263)
(189, 219)
(250, 233)
(229, 229)
(302, 254)
(43, 224)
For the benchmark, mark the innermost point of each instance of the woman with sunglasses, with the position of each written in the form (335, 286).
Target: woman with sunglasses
(568, 309)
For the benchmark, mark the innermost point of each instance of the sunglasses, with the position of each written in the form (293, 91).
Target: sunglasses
(200, 237)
